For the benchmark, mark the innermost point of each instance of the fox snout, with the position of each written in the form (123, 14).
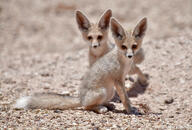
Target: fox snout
(129, 53)
(95, 44)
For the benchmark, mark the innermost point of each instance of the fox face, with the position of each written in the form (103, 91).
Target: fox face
(128, 42)
(95, 34)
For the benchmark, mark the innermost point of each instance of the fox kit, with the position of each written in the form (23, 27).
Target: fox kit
(97, 87)
(96, 34)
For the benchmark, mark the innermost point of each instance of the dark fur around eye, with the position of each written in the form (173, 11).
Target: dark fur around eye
(89, 38)
(99, 37)
(134, 46)
(123, 47)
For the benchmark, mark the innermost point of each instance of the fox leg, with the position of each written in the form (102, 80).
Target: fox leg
(120, 87)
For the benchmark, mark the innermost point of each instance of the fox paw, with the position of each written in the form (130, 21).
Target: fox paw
(134, 111)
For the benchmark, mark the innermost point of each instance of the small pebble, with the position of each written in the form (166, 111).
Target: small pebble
(171, 116)
(169, 100)
(57, 111)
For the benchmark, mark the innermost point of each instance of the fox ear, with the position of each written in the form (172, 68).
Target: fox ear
(117, 30)
(105, 19)
(82, 21)
(140, 29)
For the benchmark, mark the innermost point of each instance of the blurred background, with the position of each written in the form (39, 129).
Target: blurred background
(49, 25)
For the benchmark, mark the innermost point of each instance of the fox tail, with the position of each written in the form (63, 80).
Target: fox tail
(47, 101)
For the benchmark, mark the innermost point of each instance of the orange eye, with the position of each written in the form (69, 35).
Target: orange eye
(123, 47)
(99, 37)
(134, 46)
(89, 38)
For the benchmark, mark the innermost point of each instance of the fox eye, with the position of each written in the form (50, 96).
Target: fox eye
(134, 46)
(99, 37)
(123, 47)
(89, 38)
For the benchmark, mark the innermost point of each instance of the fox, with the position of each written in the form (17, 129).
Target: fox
(96, 35)
(100, 81)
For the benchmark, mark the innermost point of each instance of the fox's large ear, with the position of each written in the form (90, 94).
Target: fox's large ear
(140, 29)
(82, 21)
(105, 19)
(117, 30)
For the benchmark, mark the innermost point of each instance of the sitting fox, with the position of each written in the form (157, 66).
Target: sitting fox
(97, 87)
(96, 35)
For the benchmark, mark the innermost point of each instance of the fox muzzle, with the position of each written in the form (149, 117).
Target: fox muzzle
(129, 53)
(95, 45)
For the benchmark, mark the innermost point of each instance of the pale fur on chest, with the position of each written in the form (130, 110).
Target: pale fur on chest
(105, 70)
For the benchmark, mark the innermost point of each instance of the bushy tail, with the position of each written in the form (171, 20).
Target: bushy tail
(47, 101)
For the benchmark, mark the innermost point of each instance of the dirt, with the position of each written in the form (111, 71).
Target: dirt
(41, 50)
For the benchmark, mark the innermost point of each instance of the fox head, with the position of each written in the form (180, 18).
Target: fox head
(128, 42)
(96, 34)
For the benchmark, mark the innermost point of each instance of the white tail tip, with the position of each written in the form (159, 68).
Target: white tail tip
(22, 102)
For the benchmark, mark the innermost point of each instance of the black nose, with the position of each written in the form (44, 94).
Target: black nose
(129, 56)
(95, 46)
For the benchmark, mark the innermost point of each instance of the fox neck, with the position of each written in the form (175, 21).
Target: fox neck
(125, 62)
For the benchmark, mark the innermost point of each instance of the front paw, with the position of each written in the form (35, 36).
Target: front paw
(133, 111)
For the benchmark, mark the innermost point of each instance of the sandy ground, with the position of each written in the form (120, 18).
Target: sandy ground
(41, 50)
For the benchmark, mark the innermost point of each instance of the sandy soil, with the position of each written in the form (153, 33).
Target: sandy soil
(41, 50)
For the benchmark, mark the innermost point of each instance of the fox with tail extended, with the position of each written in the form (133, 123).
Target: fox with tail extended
(97, 87)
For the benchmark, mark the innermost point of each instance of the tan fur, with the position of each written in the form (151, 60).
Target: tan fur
(97, 47)
(52, 101)
(97, 87)
(94, 30)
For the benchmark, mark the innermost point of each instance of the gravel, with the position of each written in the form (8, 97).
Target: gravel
(41, 50)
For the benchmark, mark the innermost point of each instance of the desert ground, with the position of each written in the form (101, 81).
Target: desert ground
(41, 50)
